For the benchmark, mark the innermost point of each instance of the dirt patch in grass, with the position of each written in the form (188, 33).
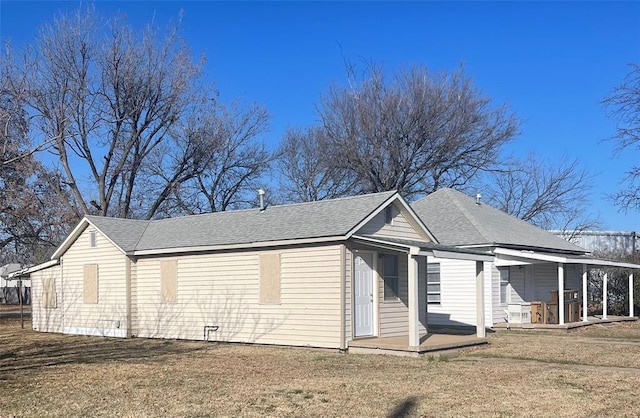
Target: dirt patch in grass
(47, 375)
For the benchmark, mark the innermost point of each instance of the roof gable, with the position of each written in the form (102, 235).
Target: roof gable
(123, 233)
(456, 219)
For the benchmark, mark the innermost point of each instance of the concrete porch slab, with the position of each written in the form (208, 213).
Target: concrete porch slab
(431, 343)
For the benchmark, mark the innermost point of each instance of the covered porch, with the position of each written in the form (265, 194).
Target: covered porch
(400, 324)
(564, 296)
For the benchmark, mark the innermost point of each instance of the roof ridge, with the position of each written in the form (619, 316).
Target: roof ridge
(286, 205)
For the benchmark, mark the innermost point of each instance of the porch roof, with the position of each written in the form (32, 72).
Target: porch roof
(558, 258)
(424, 248)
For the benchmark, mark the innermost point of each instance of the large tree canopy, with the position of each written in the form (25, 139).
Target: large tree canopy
(415, 132)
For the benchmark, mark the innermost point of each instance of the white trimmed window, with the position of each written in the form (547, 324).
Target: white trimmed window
(504, 285)
(433, 283)
(390, 277)
(93, 243)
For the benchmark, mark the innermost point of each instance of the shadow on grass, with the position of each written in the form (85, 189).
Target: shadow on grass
(27, 350)
(406, 408)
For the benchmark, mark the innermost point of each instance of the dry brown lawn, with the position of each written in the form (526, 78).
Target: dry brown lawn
(593, 372)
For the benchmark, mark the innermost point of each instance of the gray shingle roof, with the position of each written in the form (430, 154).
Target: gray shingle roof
(125, 233)
(324, 218)
(455, 219)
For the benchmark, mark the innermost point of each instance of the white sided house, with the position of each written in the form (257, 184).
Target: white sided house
(521, 284)
(318, 274)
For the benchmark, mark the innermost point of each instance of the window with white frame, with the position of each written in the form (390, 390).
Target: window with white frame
(433, 284)
(390, 276)
(504, 285)
(93, 243)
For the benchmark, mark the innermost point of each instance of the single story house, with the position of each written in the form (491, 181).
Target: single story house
(12, 290)
(318, 274)
(530, 265)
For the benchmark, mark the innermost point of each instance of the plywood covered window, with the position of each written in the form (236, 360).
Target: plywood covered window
(169, 281)
(90, 284)
(270, 278)
(49, 300)
(390, 277)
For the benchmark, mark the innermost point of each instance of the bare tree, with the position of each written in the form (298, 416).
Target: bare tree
(137, 132)
(306, 172)
(417, 133)
(623, 106)
(107, 97)
(227, 163)
(546, 194)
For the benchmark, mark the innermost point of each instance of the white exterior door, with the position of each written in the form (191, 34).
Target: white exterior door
(363, 295)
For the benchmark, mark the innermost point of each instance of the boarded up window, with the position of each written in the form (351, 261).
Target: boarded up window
(169, 281)
(90, 284)
(49, 300)
(270, 278)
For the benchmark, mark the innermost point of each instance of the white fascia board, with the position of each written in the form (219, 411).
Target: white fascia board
(559, 259)
(372, 215)
(245, 246)
(462, 256)
(381, 243)
(416, 218)
(530, 255)
(28, 270)
(603, 263)
(84, 222)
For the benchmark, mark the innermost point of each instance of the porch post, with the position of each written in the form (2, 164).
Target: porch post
(560, 293)
(631, 294)
(480, 328)
(604, 295)
(412, 277)
(584, 294)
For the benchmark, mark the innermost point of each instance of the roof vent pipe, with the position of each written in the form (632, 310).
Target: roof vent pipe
(261, 194)
(478, 197)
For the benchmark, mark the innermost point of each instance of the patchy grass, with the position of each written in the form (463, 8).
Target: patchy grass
(47, 375)
(14, 308)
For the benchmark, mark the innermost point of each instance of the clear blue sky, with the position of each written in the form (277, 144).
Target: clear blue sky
(551, 62)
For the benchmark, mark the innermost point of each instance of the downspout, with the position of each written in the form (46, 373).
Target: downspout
(127, 274)
(61, 294)
(343, 295)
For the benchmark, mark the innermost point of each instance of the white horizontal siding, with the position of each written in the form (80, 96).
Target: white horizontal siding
(223, 290)
(109, 314)
(458, 293)
(46, 319)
